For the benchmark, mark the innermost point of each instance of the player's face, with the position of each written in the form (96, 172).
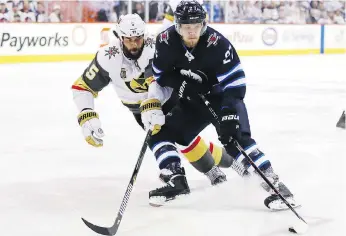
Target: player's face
(191, 33)
(134, 44)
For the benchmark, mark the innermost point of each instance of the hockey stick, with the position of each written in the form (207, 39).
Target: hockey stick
(240, 149)
(114, 228)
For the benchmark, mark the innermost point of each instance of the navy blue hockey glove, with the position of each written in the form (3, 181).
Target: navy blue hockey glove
(229, 126)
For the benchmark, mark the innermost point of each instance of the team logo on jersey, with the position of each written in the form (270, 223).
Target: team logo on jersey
(192, 75)
(123, 73)
(189, 56)
(213, 39)
(140, 84)
(164, 37)
(149, 42)
(111, 52)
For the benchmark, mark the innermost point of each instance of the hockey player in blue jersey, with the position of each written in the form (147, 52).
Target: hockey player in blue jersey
(192, 58)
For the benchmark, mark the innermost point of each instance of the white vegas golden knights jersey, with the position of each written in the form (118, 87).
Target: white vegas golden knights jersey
(129, 78)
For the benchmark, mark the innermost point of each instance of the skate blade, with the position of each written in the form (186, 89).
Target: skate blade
(155, 205)
(161, 201)
(157, 201)
(219, 182)
(283, 207)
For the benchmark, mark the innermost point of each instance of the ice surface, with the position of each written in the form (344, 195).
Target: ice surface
(49, 176)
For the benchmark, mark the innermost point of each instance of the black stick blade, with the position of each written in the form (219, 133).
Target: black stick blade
(99, 229)
(342, 121)
(114, 228)
(292, 230)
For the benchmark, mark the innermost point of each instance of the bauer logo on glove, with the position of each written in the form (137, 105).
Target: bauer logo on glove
(230, 117)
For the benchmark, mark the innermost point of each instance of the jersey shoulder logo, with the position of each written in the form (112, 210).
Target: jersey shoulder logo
(164, 36)
(213, 39)
(111, 52)
(149, 42)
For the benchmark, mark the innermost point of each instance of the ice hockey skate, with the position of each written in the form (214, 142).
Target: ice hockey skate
(274, 202)
(176, 184)
(216, 176)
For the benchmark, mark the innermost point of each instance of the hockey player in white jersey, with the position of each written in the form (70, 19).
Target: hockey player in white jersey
(125, 64)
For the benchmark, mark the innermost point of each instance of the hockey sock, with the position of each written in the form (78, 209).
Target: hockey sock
(220, 155)
(198, 154)
(165, 153)
(254, 153)
(203, 158)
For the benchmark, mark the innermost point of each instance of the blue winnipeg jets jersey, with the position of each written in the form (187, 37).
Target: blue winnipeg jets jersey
(214, 55)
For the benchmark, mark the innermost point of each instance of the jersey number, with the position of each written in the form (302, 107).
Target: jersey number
(91, 73)
(227, 54)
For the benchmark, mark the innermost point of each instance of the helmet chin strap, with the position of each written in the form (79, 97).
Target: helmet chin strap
(204, 28)
(116, 34)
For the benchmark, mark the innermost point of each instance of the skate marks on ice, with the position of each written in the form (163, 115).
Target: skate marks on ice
(197, 213)
(205, 201)
(235, 194)
(235, 206)
(54, 207)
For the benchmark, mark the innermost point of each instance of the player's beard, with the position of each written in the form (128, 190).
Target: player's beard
(133, 53)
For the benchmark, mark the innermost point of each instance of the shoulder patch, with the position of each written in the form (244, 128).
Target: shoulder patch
(112, 51)
(149, 42)
(123, 73)
(213, 39)
(163, 37)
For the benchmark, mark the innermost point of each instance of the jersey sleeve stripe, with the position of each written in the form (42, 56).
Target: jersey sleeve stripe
(236, 83)
(80, 85)
(79, 88)
(156, 70)
(159, 145)
(238, 67)
(232, 78)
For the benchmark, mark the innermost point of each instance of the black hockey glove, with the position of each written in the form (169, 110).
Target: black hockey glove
(187, 90)
(229, 126)
(192, 83)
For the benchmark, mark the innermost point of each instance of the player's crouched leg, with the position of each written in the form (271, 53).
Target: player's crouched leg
(201, 158)
(261, 161)
(171, 172)
(273, 202)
